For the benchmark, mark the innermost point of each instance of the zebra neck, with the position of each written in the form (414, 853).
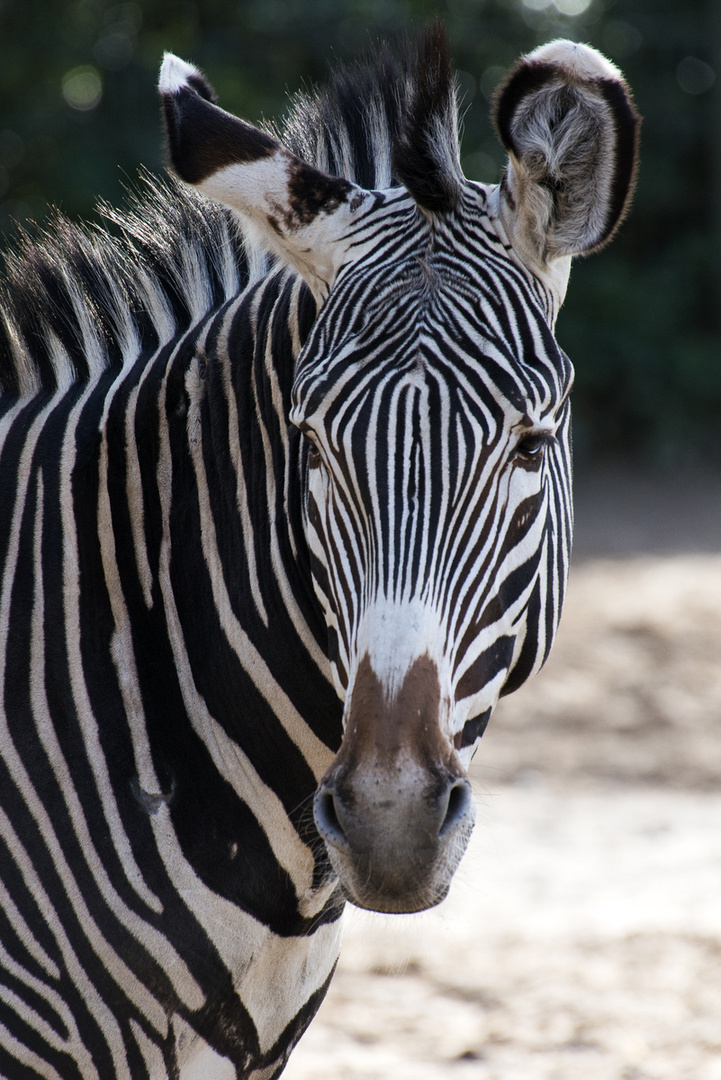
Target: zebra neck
(245, 454)
(224, 534)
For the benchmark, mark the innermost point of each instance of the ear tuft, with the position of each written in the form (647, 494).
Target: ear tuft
(577, 60)
(177, 75)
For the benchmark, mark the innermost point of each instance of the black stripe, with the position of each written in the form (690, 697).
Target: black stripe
(627, 123)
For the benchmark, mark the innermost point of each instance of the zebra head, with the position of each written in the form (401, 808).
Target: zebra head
(433, 401)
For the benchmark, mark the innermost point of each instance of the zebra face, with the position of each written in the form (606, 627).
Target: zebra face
(433, 401)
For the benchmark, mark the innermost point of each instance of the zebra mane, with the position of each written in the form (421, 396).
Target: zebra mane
(390, 120)
(77, 300)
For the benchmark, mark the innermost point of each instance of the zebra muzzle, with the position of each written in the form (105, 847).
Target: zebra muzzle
(395, 809)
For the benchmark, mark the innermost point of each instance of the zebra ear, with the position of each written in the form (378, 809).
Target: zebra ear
(297, 212)
(565, 116)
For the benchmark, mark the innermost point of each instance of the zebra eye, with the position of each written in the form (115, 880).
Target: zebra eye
(532, 446)
(314, 458)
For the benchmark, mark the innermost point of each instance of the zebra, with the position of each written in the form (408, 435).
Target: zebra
(286, 497)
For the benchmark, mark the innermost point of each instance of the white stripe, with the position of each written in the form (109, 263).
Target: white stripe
(13, 762)
(83, 706)
(279, 570)
(85, 988)
(232, 763)
(154, 942)
(61, 362)
(315, 752)
(28, 1057)
(134, 494)
(24, 933)
(273, 976)
(72, 1045)
(193, 386)
(151, 1052)
(164, 325)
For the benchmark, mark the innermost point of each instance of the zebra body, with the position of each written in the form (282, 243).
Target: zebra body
(141, 819)
(276, 536)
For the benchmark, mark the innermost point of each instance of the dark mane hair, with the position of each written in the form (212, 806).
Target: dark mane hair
(390, 120)
(76, 299)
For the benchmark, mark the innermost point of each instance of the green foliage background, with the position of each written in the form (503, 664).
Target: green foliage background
(642, 321)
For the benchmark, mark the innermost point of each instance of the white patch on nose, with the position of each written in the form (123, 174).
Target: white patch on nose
(395, 635)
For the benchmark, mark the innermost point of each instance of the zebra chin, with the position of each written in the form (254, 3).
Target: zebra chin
(395, 809)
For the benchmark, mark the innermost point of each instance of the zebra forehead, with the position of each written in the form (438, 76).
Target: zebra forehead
(466, 299)
(415, 355)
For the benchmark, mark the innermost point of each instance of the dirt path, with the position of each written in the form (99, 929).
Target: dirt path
(582, 937)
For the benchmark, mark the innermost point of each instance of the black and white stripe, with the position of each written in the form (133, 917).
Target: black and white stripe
(256, 507)
(422, 486)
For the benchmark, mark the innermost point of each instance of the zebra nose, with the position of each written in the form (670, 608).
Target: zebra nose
(458, 808)
(342, 819)
(394, 838)
(327, 820)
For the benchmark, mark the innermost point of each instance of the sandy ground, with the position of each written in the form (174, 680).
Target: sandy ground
(582, 936)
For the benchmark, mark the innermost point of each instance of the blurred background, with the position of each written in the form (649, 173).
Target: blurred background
(583, 932)
(642, 322)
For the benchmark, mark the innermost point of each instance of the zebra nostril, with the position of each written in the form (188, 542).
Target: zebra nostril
(460, 802)
(326, 819)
